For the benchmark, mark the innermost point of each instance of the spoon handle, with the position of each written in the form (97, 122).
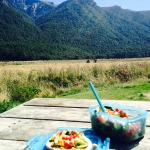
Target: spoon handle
(97, 97)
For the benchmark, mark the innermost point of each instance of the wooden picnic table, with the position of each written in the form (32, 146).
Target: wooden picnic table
(44, 115)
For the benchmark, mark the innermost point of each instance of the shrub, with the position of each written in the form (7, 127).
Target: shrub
(88, 61)
(21, 91)
(75, 77)
(5, 105)
(123, 74)
(61, 82)
(95, 60)
(47, 94)
(95, 71)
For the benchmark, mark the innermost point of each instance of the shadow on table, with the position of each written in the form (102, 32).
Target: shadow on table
(118, 145)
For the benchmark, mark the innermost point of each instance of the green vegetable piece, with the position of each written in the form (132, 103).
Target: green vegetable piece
(81, 146)
(81, 142)
(117, 126)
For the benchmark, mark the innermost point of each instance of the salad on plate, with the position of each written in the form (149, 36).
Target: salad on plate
(69, 139)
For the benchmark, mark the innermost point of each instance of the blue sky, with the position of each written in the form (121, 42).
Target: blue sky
(136, 5)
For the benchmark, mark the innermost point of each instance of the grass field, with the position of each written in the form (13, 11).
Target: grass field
(114, 79)
(138, 90)
(27, 66)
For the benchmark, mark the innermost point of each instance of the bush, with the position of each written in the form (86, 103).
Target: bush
(21, 92)
(5, 105)
(123, 74)
(95, 60)
(96, 71)
(88, 61)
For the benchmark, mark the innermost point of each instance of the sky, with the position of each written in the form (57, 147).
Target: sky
(137, 5)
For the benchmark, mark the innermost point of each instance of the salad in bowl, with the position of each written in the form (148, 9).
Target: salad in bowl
(69, 139)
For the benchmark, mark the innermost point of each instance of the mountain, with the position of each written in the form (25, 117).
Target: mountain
(14, 26)
(99, 32)
(16, 31)
(141, 17)
(75, 29)
(33, 8)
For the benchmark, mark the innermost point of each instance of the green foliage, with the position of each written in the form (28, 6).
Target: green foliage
(61, 82)
(8, 104)
(96, 71)
(47, 94)
(21, 92)
(15, 27)
(5, 105)
(64, 79)
(69, 92)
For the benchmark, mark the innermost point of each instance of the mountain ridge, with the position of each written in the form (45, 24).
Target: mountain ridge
(78, 29)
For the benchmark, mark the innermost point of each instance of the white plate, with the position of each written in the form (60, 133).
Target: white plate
(48, 145)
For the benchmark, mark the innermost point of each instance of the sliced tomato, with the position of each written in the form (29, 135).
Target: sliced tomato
(100, 118)
(129, 132)
(66, 138)
(60, 133)
(67, 145)
(73, 136)
(116, 109)
(73, 132)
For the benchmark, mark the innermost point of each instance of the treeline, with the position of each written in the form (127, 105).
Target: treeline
(13, 51)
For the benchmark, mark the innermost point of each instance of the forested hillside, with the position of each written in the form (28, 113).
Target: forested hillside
(75, 29)
(17, 34)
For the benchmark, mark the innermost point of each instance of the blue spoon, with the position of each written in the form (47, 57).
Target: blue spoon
(97, 97)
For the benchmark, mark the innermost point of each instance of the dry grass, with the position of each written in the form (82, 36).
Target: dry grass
(28, 66)
(9, 70)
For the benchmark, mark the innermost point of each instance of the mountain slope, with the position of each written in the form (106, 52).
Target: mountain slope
(82, 25)
(75, 29)
(141, 17)
(18, 34)
(33, 8)
(14, 26)
(101, 33)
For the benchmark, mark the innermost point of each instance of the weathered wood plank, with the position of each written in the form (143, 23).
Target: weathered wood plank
(6, 123)
(52, 113)
(12, 145)
(24, 129)
(61, 102)
(48, 102)
(61, 113)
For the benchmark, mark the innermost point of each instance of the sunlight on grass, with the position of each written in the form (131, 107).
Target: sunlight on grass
(127, 91)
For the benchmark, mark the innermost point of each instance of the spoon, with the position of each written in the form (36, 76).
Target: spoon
(97, 97)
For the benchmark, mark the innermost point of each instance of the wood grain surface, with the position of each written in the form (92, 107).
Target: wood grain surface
(44, 115)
